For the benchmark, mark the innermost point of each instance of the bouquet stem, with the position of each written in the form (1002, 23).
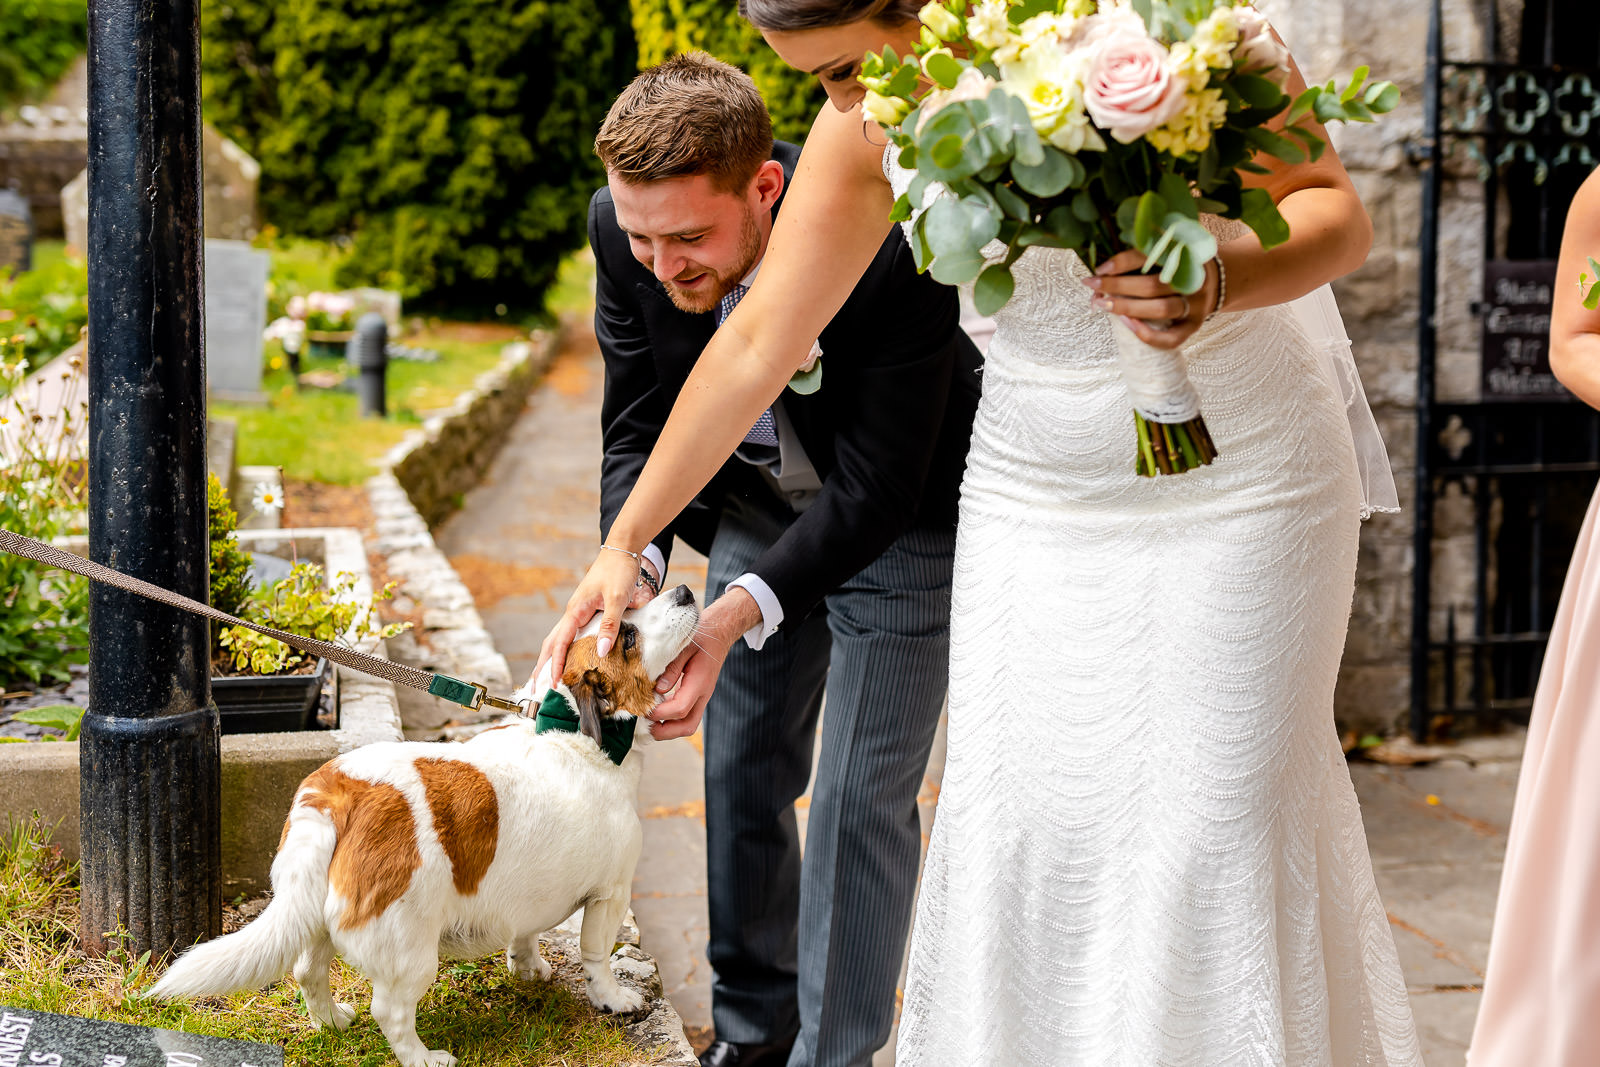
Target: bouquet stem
(1172, 448)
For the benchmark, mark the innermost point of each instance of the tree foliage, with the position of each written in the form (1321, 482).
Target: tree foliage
(452, 142)
(39, 39)
(667, 27)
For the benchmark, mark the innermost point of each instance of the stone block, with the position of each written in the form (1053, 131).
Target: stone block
(1374, 698)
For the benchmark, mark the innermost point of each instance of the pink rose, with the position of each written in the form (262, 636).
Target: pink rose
(1258, 48)
(1130, 91)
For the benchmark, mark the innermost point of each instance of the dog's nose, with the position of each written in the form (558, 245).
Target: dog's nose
(682, 596)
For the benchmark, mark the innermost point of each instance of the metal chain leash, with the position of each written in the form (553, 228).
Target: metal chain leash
(471, 695)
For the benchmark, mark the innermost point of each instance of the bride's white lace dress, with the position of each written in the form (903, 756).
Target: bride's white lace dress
(1148, 852)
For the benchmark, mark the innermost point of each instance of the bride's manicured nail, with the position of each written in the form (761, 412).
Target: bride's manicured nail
(1093, 283)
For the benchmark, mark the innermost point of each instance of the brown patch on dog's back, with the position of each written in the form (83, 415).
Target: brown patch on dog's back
(376, 851)
(466, 816)
(624, 684)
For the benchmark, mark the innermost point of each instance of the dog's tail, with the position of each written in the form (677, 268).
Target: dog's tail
(266, 949)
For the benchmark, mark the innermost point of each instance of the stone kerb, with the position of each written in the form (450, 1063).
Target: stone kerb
(260, 772)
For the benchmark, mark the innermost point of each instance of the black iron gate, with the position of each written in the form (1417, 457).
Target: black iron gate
(1523, 458)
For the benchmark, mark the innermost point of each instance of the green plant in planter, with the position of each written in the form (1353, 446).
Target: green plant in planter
(303, 603)
(230, 564)
(44, 614)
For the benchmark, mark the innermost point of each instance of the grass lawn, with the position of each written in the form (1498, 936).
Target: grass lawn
(478, 1010)
(316, 435)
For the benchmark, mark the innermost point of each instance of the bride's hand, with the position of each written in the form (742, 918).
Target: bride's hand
(607, 588)
(1157, 313)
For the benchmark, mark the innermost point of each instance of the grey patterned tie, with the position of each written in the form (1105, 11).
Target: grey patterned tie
(765, 431)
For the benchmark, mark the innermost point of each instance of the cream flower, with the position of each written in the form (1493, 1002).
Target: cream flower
(1049, 30)
(1049, 82)
(884, 110)
(989, 25)
(940, 20)
(1190, 132)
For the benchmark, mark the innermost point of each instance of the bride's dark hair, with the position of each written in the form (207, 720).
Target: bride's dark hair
(816, 14)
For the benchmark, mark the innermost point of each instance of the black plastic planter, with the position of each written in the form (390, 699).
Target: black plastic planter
(270, 704)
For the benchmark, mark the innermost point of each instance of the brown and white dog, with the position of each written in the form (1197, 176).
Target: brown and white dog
(397, 854)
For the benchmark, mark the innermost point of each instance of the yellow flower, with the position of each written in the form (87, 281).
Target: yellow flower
(1213, 39)
(1189, 64)
(1190, 132)
(940, 20)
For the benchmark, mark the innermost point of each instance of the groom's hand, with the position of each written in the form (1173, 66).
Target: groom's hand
(697, 668)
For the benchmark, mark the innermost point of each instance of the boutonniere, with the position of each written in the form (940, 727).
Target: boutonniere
(808, 379)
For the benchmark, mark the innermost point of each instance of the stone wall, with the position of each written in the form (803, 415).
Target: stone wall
(1330, 38)
(451, 453)
(40, 153)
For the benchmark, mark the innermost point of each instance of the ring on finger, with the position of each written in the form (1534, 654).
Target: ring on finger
(1185, 300)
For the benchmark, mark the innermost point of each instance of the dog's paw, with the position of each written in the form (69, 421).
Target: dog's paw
(438, 1057)
(612, 996)
(529, 966)
(343, 1016)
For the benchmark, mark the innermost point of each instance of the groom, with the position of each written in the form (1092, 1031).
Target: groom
(830, 535)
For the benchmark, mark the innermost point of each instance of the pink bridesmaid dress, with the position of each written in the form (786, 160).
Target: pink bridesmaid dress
(1541, 996)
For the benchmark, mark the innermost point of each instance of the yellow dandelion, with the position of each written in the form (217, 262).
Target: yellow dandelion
(1433, 801)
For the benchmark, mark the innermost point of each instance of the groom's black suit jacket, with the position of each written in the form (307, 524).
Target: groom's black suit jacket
(887, 432)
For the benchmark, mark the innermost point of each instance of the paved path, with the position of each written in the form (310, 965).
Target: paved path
(523, 538)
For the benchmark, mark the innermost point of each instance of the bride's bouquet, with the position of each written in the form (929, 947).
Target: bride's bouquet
(1097, 128)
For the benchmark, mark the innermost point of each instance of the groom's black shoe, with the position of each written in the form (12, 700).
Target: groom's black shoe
(730, 1054)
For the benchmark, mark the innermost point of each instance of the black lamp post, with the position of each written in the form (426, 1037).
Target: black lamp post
(150, 763)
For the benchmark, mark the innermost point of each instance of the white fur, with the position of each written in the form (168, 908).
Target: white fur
(569, 837)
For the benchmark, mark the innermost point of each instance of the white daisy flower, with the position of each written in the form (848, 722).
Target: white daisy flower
(267, 497)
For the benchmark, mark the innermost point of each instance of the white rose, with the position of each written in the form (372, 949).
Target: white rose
(989, 25)
(1257, 47)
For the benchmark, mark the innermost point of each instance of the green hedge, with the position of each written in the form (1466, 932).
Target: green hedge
(39, 39)
(667, 27)
(452, 141)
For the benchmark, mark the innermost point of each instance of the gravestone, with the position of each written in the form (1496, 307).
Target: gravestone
(236, 315)
(39, 1038)
(16, 232)
(231, 178)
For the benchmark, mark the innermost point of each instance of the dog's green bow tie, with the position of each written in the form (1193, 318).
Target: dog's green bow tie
(557, 713)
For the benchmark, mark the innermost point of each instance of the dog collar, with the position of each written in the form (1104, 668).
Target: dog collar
(557, 713)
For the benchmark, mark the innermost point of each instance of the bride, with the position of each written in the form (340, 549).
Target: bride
(1148, 852)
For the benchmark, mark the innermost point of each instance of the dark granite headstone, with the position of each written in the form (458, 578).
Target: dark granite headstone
(39, 1039)
(16, 232)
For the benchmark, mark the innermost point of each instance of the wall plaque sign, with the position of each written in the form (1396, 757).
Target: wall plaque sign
(1515, 317)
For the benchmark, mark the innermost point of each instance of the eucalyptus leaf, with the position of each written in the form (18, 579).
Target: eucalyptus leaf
(908, 157)
(1302, 105)
(1257, 211)
(1065, 226)
(1025, 142)
(1315, 145)
(947, 152)
(947, 229)
(1147, 221)
(806, 382)
(943, 69)
(1327, 108)
(1083, 207)
(901, 210)
(1178, 195)
(956, 268)
(921, 254)
(903, 82)
(1050, 177)
(1356, 111)
(1012, 204)
(993, 289)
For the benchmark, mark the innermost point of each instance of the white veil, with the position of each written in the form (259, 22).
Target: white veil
(1318, 314)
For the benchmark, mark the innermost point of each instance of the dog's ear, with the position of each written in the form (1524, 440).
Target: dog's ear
(593, 698)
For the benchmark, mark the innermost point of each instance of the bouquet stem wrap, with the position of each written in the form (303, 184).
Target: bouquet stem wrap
(1166, 409)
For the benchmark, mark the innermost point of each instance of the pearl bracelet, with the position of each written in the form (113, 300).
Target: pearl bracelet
(1222, 287)
(637, 557)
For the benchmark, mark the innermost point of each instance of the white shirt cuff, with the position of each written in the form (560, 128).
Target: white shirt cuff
(771, 610)
(653, 555)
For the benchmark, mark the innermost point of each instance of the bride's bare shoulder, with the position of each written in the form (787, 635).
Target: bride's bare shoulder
(846, 144)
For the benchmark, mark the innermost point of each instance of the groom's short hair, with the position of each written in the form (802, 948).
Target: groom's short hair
(692, 114)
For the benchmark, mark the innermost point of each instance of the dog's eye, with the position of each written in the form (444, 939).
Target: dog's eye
(630, 637)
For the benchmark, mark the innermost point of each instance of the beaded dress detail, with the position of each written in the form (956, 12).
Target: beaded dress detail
(1148, 852)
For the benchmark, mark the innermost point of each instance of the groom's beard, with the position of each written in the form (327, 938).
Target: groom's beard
(701, 300)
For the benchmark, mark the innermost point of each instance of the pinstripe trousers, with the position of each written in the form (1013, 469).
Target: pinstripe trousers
(816, 947)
